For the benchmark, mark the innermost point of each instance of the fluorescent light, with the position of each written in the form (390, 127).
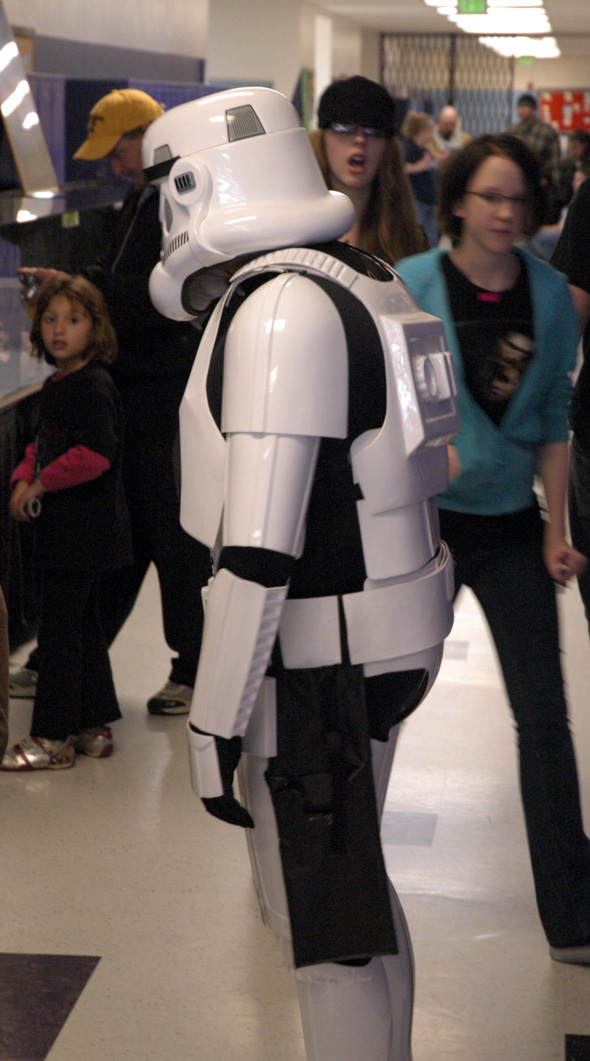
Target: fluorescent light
(507, 20)
(492, 4)
(536, 48)
(518, 21)
(514, 3)
(15, 98)
(7, 54)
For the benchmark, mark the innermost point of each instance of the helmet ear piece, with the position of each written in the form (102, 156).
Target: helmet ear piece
(189, 182)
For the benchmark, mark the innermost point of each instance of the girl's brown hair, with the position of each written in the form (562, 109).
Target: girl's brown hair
(458, 172)
(102, 343)
(389, 228)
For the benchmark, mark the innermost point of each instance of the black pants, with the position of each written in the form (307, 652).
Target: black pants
(517, 597)
(579, 513)
(183, 564)
(75, 690)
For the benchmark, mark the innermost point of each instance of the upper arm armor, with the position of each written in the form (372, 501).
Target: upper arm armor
(286, 363)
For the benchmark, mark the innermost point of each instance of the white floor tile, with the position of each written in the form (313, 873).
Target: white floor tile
(118, 859)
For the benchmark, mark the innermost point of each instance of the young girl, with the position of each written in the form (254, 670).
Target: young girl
(359, 155)
(417, 130)
(513, 333)
(71, 476)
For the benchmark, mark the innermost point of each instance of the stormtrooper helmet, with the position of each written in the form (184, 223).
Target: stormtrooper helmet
(237, 175)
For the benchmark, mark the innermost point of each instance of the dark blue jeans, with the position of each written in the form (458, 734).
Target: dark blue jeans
(579, 512)
(517, 597)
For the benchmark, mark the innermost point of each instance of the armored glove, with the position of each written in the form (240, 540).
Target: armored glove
(226, 807)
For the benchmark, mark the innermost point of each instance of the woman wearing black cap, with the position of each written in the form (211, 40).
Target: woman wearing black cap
(358, 155)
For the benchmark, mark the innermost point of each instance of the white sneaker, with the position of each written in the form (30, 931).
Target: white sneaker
(97, 742)
(23, 684)
(173, 699)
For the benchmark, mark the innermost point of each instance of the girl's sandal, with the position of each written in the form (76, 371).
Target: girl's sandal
(40, 753)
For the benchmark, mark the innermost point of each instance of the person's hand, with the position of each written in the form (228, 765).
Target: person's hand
(20, 497)
(424, 163)
(562, 561)
(455, 468)
(15, 506)
(42, 274)
(227, 807)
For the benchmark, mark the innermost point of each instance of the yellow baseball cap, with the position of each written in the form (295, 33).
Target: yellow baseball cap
(115, 114)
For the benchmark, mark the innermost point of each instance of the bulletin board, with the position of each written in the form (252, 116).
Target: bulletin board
(565, 110)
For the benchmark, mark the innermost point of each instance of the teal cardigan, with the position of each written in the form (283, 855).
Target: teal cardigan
(499, 462)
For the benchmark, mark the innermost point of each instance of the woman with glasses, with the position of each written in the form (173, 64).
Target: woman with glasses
(359, 155)
(512, 330)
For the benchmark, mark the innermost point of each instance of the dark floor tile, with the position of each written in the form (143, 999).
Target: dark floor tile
(577, 1048)
(37, 995)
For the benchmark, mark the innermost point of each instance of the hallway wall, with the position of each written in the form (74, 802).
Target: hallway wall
(225, 33)
(177, 26)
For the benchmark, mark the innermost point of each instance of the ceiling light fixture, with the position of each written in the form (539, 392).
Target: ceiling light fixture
(511, 27)
(519, 47)
(514, 22)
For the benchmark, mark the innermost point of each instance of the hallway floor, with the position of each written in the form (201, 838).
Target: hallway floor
(130, 929)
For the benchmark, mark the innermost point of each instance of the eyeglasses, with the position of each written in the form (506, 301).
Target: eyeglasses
(345, 129)
(496, 198)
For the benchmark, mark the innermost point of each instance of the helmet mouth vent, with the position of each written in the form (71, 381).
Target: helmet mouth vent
(243, 122)
(175, 243)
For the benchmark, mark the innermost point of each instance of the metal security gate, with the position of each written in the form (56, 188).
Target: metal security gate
(425, 71)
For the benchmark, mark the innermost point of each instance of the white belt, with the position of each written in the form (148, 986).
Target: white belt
(385, 622)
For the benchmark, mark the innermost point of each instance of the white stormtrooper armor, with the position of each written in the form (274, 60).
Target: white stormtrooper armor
(300, 413)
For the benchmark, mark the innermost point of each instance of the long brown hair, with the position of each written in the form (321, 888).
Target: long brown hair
(389, 228)
(102, 343)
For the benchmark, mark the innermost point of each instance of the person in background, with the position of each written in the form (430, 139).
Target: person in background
(359, 155)
(574, 170)
(513, 333)
(422, 170)
(447, 137)
(581, 173)
(572, 257)
(3, 675)
(152, 369)
(70, 480)
(577, 158)
(540, 137)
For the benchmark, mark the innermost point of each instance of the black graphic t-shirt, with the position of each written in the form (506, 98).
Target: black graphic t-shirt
(496, 336)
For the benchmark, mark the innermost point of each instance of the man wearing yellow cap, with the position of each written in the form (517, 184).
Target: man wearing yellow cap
(151, 372)
(115, 131)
